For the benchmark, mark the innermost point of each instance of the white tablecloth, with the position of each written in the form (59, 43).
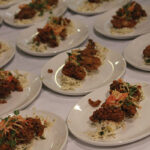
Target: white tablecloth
(60, 104)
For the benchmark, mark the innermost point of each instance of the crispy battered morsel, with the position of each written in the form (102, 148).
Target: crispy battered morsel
(146, 51)
(146, 54)
(74, 71)
(25, 13)
(94, 103)
(91, 63)
(107, 112)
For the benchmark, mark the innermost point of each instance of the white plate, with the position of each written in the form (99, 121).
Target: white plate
(113, 67)
(102, 25)
(20, 100)
(56, 135)
(74, 5)
(5, 57)
(133, 53)
(73, 40)
(78, 120)
(8, 4)
(9, 14)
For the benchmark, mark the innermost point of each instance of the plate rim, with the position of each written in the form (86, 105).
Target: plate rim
(103, 143)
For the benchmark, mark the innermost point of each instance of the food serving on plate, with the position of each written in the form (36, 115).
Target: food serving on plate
(18, 132)
(127, 17)
(36, 8)
(10, 82)
(82, 63)
(121, 104)
(91, 5)
(146, 54)
(56, 30)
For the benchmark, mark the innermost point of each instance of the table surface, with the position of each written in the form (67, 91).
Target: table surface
(60, 104)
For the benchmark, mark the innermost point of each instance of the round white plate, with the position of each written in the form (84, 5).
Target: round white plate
(103, 25)
(5, 57)
(133, 53)
(19, 100)
(74, 5)
(113, 67)
(79, 123)
(8, 4)
(9, 14)
(55, 135)
(76, 38)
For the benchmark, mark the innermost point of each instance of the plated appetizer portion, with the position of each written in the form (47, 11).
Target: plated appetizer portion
(33, 9)
(146, 54)
(127, 17)
(81, 70)
(121, 104)
(19, 132)
(8, 84)
(30, 12)
(129, 21)
(81, 63)
(32, 129)
(112, 115)
(55, 31)
(53, 36)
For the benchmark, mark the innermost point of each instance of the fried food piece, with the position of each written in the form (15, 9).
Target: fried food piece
(74, 71)
(7, 86)
(121, 22)
(25, 13)
(118, 86)
(94, 1)
(146, 51)
(90, 49)
(46, 35)
(91, 63)
(129, 108)
(107, 112)
(94, 103)
(52, 2)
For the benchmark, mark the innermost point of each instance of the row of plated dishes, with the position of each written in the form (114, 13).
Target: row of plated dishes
(109, 113)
